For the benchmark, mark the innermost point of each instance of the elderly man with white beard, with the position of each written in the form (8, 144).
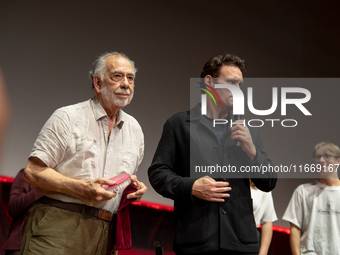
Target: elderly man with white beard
(76, 153)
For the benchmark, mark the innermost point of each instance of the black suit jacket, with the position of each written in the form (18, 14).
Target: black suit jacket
(202, 226)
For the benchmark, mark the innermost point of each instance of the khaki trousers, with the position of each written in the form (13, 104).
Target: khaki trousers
(51, 230)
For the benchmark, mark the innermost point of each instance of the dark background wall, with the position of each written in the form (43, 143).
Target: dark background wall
(47, 48)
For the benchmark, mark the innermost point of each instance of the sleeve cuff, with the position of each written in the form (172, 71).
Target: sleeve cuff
(187, 184)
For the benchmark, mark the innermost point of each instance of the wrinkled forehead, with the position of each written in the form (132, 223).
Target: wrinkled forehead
(118, 63)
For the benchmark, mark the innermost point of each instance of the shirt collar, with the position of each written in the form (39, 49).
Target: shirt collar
(99, 112)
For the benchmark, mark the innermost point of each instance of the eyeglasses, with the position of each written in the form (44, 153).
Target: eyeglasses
(118, 76)
(325, 156)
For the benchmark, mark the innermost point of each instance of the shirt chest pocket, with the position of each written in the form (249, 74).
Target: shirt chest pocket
(126, 162)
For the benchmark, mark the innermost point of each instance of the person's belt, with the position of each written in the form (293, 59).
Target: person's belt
(79, 208)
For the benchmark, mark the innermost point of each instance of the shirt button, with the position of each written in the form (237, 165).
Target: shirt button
(223, 211)
(215, 148)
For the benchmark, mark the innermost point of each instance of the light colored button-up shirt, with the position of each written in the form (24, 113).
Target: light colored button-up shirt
(75, 142)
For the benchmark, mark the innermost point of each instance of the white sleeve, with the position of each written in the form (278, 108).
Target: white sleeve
(52, 140)
(294, 211)
(269, 214)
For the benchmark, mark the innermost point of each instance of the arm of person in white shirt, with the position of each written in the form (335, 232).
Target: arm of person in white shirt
(266, 237)
(294, 239)
(38, 174)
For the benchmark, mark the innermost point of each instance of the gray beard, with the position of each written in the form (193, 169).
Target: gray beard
(122, 102)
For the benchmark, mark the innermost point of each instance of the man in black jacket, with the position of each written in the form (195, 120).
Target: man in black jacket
(212, 216)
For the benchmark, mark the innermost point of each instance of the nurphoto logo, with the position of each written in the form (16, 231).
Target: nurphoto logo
(238, 103)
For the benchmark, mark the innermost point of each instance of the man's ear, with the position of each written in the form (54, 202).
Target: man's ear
(97, 83)
(209, 80)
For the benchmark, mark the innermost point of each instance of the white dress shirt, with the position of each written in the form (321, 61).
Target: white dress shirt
(75, 142)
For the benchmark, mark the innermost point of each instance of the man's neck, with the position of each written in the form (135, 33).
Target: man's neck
(113, 115)
(216, 112)
(113, 118)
